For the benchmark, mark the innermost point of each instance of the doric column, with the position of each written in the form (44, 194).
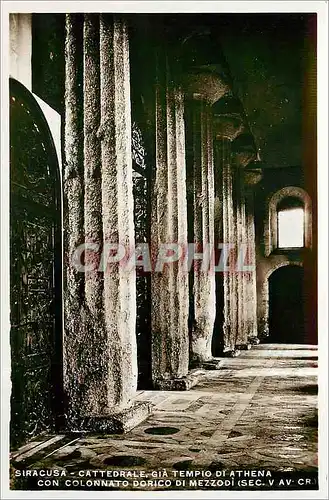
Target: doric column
(223, 173)
(228, 125)
(251, 178)
(170, 344)
(203, 88)
(73, 217)
(242, 253)
(100, 358)
(235, 149)
(244, 152)
(203, 205)
(117, 205)
(235, 282)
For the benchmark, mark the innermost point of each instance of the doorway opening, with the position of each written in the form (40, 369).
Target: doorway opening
(287, 306)
(35, 271)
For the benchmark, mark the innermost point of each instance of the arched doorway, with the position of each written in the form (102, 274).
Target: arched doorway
(35, 270)
(287, 305)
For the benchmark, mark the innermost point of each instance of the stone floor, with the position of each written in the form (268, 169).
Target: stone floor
(252, 424)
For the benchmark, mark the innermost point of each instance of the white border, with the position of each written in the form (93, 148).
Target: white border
(321, 8)
(159, 6)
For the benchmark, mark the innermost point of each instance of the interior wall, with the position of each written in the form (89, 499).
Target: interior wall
(22, 69)
(274, 180)
(20, 29)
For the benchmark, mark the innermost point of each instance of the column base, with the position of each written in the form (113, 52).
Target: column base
(254, 340)
(116, 423)
(211, 364)
(179, 384)
(243, 347)
(231, 354)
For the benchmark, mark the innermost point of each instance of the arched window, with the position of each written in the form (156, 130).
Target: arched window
(290, 220)
(288, 224)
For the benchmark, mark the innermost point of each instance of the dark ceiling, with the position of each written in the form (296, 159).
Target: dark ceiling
(272, 62)
(271, 58)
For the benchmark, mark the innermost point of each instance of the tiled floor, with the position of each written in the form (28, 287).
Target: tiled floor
(257, 413)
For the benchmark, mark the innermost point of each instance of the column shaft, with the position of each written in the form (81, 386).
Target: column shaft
(229, 297)
(117, 205)
(100, 355)
(73, 214)
(204, 279)
(241, 337)
(234, 235)
(169, 227)
(92, 161)
(252, 291)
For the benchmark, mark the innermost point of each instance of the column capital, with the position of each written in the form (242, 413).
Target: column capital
(244, 149)
(228, 126)
(253, 176)
(228, 118)
(205, 75)
(204, 83)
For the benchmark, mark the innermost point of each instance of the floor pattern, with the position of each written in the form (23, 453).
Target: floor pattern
(250, 424)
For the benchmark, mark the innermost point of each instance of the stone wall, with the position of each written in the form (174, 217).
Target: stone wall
(268, 257)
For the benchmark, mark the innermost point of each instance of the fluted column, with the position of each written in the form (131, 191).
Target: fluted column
(169, 286)
(251, 177)
(236, 149)
(203, 215)
(100, 355)
(73, 216)
(244, 153)
(235, 303)
(251, 295)
(117, 205)
(230, 325)
(225, 263)
(205, 82)
(228, 125)
(242, 246)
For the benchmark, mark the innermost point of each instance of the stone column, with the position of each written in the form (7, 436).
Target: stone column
(235, 282)
(73, 219)
(251, 297)
(223, 170)
(244, 152)
(117, 205)
(242, 251)
(228, 125)
(170, 344)
(231, 277)
(235, 150)
(203, 209)
(203, 89)
(95, 391)
(100, 356)
(251, 177)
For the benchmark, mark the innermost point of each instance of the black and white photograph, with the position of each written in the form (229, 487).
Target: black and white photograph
(164, 249)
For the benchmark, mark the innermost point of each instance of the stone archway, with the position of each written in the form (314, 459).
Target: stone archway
(36, 269)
